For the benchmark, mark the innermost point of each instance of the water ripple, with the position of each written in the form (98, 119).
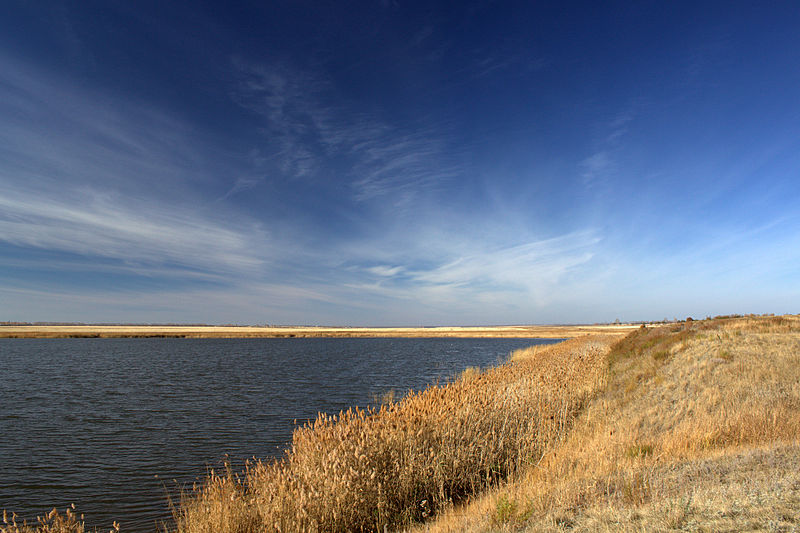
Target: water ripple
(113, 424)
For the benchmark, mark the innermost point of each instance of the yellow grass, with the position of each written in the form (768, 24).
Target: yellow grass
(408, 460)
(551, 332)
(691, 426)
(53, 522)
(698, 428)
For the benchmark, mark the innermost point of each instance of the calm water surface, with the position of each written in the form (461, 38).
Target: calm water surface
(112, 424)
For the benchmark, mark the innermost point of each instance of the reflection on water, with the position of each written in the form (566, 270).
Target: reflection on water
(110, 424)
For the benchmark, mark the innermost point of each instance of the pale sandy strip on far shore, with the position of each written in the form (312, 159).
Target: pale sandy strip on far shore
(85, 331)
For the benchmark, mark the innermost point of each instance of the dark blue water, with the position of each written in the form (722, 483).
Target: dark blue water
(112, 424)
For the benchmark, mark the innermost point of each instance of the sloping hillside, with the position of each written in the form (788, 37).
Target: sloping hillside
(698, 429)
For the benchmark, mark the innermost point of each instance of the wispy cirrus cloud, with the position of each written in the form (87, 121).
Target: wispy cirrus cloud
(530, 266)
(465, 271)
(489, 61)
(249, 304)
(602, 161)
(312, 131)
(103, 225)
(91, 175)
(595, 166)
(55, 131)
(241, 184)
(402, 166)
(104, 186)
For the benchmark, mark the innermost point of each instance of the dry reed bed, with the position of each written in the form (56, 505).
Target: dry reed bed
(400, 463)
(690, 426)
(376, 469)
(699, 428)
(54, 522)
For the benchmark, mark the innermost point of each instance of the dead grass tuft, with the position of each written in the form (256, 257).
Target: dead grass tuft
(52, 522)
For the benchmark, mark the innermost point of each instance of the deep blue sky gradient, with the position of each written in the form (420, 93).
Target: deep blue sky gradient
(390, 163)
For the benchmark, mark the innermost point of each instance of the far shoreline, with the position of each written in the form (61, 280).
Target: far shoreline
(37, 331)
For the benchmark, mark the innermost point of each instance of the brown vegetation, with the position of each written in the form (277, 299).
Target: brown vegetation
(686, 426)
(367, 470)
(53, 522)
(698, 428)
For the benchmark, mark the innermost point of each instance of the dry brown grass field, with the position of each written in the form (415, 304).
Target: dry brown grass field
(698, 429)
(691, 426)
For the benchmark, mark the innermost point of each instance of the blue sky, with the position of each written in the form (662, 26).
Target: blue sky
(394, 163)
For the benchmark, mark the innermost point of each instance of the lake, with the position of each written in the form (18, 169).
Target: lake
(113, 424)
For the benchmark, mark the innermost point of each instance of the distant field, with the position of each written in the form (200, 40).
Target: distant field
(543, 332)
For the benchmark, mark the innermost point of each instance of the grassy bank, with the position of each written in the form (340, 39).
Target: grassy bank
(698, 429)
(406, 461)
(693, 425)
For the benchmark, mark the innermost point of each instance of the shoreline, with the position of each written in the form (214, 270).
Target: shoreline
(261, 332)
(689, 423)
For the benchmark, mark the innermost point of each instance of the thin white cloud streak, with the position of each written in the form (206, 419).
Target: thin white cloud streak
(241, 184)
(532, 266)
(88, 174)
(286, 101)
(500, 284)
(309, 132)
(602, 161)
(56, 131)
(99, 225)
(253, 303)
(488, 62)
(595, 166)
(401, 167)
(96, 265)
(524, 276)
(385, 271)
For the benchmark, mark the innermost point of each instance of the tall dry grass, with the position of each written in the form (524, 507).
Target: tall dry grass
(686, 426)
(54, 522)
(698, 428)
(400, 463)
(404, 462)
